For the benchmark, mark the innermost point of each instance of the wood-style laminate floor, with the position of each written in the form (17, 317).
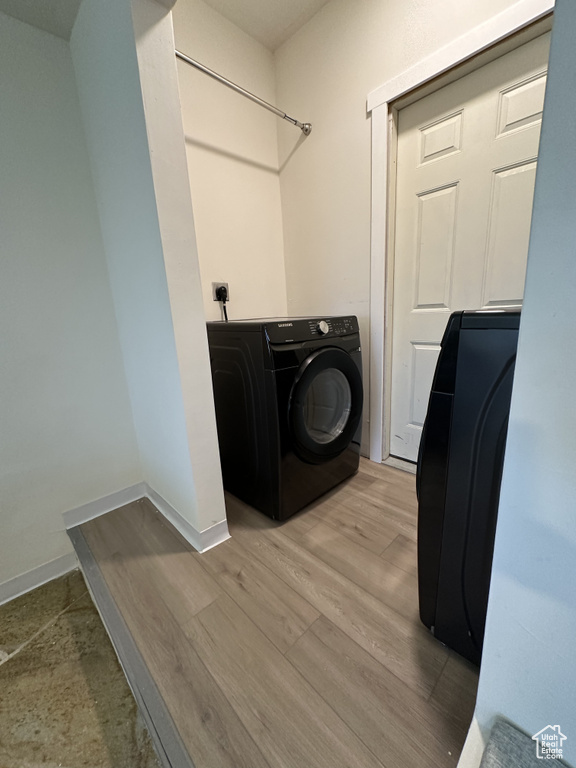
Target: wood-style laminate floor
(295, 644)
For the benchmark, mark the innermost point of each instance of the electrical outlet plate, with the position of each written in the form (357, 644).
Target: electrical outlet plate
(215, 287)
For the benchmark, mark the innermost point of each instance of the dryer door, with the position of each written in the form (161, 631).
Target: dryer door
(325, 405)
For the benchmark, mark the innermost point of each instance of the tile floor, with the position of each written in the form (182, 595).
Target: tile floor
(64, 700)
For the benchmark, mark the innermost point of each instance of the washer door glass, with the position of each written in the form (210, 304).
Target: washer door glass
(327, 405)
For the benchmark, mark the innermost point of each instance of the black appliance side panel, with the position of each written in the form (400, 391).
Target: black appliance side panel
(485, 495)
(247, 431)
(432, 469)
(435, 447)
(479, 419)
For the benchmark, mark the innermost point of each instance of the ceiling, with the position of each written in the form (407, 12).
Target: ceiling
(271, 22)
(55, 16)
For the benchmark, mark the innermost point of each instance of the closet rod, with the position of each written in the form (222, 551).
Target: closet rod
(304, 127)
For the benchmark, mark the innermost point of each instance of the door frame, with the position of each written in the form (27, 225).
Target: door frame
(522, 22)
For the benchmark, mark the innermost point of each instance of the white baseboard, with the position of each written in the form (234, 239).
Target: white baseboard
(473, 748)
(28, 581)
(74, 517)
(200, 540)
(214, 535)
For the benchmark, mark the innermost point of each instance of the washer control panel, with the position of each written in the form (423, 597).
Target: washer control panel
(333, 326)
(303, 329)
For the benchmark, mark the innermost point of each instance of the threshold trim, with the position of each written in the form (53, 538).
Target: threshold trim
(169, 746)
(403, 464)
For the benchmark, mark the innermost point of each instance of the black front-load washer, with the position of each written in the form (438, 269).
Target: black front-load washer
(288, 395)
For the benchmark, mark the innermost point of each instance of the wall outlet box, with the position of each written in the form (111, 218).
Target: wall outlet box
(215, 287)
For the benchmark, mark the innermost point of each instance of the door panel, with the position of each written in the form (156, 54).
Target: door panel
(441, 138)
(521, 105)
(435, 247)
(466, 164)
(510, 212)
(424, 358)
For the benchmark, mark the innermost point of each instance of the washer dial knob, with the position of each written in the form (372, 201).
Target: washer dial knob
(323, 327)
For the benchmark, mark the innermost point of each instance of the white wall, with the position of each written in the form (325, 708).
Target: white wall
(324, 73)
(127, 95)
(66, 434)
(159, 81)
(232, 151)
(529, 670)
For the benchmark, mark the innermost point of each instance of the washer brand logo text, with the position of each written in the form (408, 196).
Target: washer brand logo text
(285, 325)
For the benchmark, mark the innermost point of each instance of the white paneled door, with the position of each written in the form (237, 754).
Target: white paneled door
(466, 165)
